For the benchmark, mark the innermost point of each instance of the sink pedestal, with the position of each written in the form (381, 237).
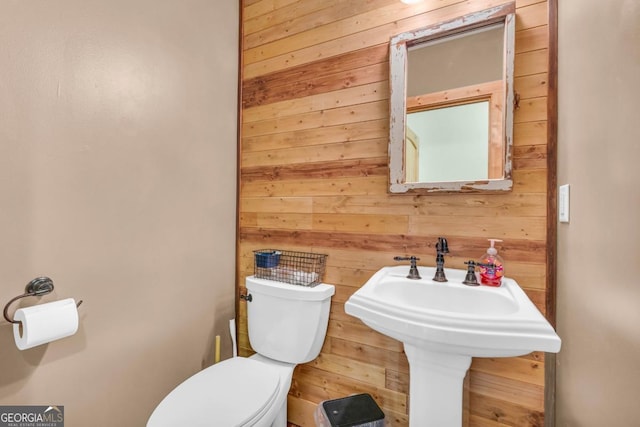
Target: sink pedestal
(435, 387)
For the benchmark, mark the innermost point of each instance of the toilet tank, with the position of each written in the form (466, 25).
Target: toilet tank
(287, 322)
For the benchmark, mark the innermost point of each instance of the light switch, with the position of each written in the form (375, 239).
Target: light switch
(563, 203)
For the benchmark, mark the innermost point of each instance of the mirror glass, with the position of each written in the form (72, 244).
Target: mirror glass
(450, 83)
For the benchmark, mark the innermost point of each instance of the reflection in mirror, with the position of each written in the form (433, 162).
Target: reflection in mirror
(450, 83)
(449, 151)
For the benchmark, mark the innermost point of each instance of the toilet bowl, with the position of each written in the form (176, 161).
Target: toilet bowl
(287, 326)
(237, 392)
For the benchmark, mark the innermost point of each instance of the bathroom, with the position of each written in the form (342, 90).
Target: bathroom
(120, 124)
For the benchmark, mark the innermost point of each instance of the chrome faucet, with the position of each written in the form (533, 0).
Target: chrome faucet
(413, 270)
(442, 247)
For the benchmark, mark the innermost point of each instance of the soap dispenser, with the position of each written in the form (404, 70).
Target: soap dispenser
(490, 266)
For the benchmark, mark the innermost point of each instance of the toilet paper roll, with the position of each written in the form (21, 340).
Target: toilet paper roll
(45, 323)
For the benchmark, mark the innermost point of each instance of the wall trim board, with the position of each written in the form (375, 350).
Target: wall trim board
(552, 208)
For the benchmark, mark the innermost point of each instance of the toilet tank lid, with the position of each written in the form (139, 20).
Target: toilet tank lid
(319, 292)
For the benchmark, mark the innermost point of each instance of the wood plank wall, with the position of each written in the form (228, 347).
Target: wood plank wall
(314, 177)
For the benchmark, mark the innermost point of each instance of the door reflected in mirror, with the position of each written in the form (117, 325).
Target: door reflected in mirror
(450, 84)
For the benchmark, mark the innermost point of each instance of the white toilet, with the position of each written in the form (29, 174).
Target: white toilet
(287, 326)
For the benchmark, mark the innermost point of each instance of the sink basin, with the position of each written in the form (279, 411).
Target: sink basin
(452, 317)
(444, 325)
(414, 295)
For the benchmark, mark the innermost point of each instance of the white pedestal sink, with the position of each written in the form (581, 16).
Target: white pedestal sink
(444, 325)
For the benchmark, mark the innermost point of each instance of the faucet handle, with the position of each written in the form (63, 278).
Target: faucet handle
(411, 258)
(471, 279)
(413, 269)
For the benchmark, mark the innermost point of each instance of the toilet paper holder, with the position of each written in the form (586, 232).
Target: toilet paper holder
(36, 288)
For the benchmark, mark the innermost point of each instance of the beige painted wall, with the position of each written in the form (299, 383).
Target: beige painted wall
(599, 250)
(117, 179)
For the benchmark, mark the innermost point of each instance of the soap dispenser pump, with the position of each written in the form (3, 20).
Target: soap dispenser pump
(490, 266)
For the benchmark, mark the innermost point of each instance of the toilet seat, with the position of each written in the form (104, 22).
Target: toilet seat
(236, 392)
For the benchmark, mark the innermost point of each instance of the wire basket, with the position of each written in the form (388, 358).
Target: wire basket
(296, 268)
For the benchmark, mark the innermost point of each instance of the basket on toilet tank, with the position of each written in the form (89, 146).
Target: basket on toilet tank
(296, 268)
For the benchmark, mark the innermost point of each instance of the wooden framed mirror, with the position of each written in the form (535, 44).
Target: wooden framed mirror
(452, 101)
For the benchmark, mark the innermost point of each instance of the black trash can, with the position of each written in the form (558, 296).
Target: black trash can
(359, 410)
